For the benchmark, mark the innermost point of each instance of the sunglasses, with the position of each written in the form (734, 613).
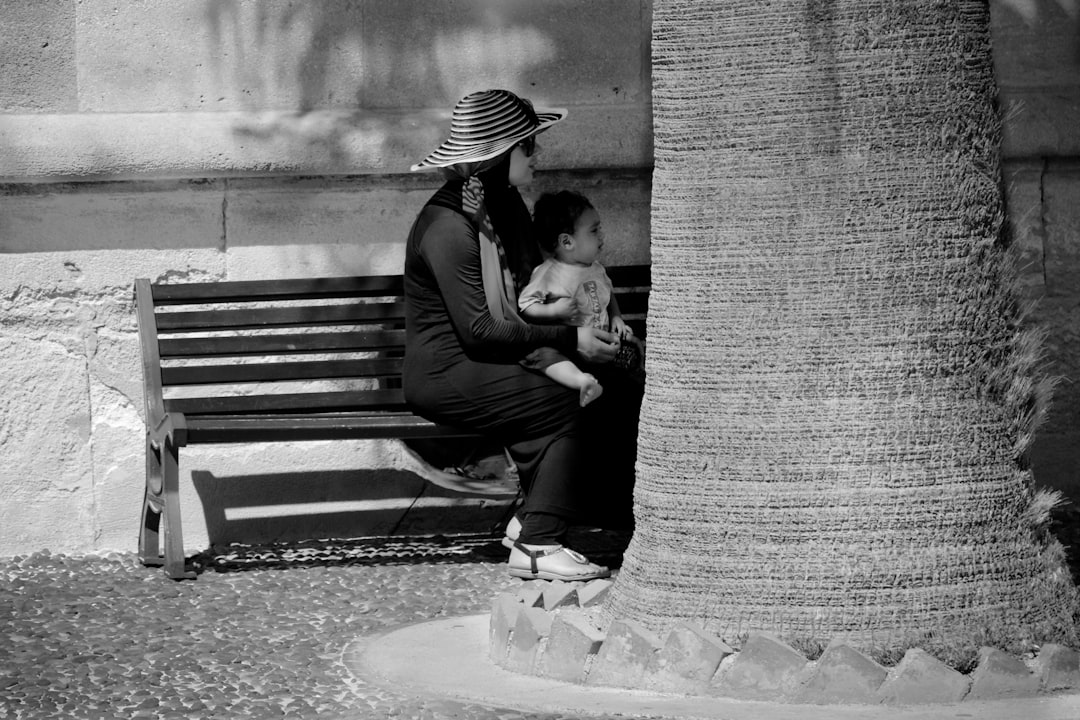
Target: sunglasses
(528, 145)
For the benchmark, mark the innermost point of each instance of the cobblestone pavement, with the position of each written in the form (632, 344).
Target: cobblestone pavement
(260, 634)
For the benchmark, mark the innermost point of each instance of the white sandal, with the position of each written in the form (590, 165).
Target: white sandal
(548, 562)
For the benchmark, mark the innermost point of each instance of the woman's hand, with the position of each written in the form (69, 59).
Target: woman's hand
(598, 346)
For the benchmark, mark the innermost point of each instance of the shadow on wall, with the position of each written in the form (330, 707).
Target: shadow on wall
(292, 507)
(352, 58)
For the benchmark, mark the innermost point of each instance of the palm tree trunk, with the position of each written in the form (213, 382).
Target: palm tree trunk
(840, 393)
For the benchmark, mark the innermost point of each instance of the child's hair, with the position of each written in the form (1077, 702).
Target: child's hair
(557, 213)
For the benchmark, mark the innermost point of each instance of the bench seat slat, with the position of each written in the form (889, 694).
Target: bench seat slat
(314, 402)
(237, 345)
(291, 289)
(280, 371)
(225, 429)
(311, 315)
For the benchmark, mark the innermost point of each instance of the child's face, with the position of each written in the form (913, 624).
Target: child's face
(583, 247)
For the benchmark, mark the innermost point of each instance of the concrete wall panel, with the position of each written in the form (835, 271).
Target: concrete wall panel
(82, 217)
(1035, 42)
(37, 56)
(202, 145)
(45, 437)
(1061, 198)
(218, 55)
(222, 55)
(425, 54)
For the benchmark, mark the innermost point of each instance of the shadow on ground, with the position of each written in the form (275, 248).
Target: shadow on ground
(604, 547)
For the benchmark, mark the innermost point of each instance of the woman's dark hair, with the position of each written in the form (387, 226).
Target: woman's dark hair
(556, 213)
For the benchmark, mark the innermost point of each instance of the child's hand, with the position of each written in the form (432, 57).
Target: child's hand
(562, 309)
(620, 328)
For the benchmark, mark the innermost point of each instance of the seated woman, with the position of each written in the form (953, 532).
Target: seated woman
(469, 253)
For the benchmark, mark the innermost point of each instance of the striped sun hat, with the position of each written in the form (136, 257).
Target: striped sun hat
(486, 124)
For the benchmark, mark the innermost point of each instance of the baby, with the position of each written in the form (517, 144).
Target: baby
(571, 287)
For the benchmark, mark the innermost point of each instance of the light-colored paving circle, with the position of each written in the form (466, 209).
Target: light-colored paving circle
(448, 659)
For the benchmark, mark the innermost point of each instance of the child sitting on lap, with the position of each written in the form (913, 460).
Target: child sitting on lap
(571, 287)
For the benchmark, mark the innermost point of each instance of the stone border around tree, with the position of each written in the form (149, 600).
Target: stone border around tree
(546, 629)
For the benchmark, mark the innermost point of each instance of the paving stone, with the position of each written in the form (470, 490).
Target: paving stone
(594, 592)
(687, 661)
(505, 608)
(533, 625)
(624, 656)
(1000, 675)
(1058, 667)
(571, 642)
(841, 675)
(766, 668)
(921, 678)
(559, 594)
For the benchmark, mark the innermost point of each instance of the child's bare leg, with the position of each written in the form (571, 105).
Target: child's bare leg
(568, 374)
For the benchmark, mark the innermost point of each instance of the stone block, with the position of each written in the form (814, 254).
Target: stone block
(37, 57)
(687, 661)
(593, 592)
(45, 436)
(624, 657)
(559, 594)
(505, 609)
(841, 675)
(200, 55)
(1034, 43)
(531, 593)
(533, 626)
(162, 215)
(1058, 667)
(571, 643)
(766, 668)
(921, 678)
(1001, 675)
(1040, 123)
(524, 43)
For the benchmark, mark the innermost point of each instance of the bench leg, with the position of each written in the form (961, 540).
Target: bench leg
(153, 506)
(162, 503)
(174, 534)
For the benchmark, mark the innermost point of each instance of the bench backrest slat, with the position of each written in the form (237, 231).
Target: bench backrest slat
(281, 343)
(291, 289)
(276, 372)
(315, 402)
(310, 315)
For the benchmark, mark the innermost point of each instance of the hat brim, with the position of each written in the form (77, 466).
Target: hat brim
(452, 152)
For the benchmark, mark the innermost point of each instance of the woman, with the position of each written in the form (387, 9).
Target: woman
(469, 252)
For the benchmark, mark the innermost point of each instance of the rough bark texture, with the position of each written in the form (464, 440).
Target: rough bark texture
(839, 395)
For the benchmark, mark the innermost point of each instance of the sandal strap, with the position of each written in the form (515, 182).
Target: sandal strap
(543, 552)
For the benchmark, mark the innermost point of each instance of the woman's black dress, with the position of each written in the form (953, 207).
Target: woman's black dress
(462, 368)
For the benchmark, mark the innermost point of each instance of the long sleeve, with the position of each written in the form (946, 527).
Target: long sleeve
(450, 251)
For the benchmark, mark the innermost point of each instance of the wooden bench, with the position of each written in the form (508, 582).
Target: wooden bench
(278, 361)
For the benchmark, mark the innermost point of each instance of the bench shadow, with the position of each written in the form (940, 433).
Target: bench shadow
(336, 517)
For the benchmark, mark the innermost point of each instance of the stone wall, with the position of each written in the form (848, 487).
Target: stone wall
(237, 139)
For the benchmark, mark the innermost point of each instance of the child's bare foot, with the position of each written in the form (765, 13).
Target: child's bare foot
(590, 389)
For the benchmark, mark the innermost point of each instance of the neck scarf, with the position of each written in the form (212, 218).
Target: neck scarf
(468, 197)
(494, 268)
